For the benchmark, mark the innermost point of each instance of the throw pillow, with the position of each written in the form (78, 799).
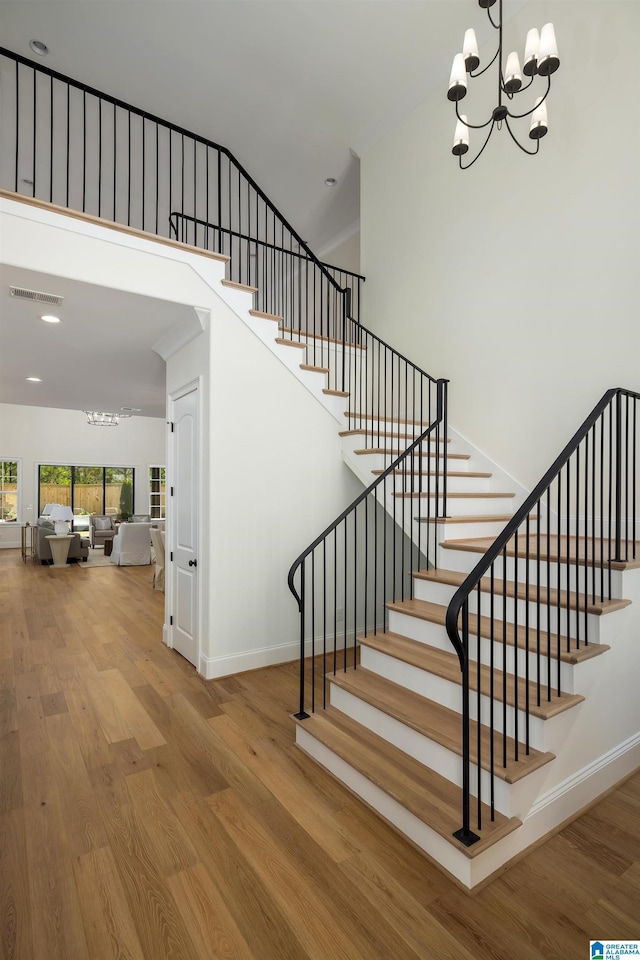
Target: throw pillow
(102, 523)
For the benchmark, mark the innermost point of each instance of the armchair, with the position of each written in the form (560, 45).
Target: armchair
(132, 545)
(101, 528)
(157, 539)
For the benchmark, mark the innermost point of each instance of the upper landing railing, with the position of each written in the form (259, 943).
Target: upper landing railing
(77, 147)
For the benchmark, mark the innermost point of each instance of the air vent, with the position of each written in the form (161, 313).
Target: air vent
(36, 296)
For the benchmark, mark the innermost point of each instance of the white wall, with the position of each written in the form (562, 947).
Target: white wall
(46, 435)
(517, 279)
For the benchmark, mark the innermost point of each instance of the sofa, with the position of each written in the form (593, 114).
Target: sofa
(78, 547)
(101, 528)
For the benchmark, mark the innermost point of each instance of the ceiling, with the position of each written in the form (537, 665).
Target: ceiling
(296, 89)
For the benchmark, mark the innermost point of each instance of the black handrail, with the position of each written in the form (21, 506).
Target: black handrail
(387, 582)
(606, 479)
(210, 231)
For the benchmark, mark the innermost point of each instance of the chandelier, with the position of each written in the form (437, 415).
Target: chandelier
(104, 419)
(97, 419)
(540, 60)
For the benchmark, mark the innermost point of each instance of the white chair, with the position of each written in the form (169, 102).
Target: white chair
(157, 539)
(132, 545)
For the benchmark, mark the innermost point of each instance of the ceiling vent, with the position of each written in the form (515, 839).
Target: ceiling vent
(36, 296)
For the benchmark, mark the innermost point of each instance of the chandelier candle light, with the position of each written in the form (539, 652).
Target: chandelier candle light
(540, 59)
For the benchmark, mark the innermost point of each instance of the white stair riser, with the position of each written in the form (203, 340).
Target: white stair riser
(460, 506)
(459, 530)
(441, 593)
(436, 636)
(420, 747)
(435, 846)
(380, 461)
(449, 694)
(465, 560)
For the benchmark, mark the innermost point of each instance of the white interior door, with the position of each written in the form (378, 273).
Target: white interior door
(184, 526)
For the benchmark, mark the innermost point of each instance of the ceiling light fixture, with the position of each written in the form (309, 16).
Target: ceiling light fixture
(34, 379)
(49, 318)
(39, 47)
(540, 59)
(330, 182)
(97, 419)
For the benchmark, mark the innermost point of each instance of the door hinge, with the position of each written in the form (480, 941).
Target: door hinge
(171, 621)
(171, 556)
(171, 425)
(171, 494)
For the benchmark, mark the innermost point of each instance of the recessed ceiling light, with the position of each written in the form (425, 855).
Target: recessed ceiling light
(49, 318)
(39, 47)
(330, 182)
(34, 379)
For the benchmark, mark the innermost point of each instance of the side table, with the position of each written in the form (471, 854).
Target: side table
(28, 545)
(60, 548)
(108, 546)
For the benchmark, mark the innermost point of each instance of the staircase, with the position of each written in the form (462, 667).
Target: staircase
(546, 629)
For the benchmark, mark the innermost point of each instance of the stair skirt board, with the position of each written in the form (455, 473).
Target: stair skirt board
(552, 812)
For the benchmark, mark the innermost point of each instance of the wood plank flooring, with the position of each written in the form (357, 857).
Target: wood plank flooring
(147, 814)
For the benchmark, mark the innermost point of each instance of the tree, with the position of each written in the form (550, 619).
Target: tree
(126, 500)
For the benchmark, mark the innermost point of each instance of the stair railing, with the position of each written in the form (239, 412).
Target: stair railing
(82, 149)
(364, 559)
(565, 542)
(289, 285)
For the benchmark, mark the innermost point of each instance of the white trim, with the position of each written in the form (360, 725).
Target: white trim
(19, 518)
(576, 781)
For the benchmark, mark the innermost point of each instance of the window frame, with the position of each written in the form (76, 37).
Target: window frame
(18, 490)
(72, 482)
(162, 503)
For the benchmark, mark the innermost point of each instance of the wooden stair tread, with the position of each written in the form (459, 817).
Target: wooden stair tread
(265, 316)
(291, 343)
(239, 286)
(320, 336)
(396, 453)
(446, 665)
(436, 613)
(428, 796)
(472, 518)
(382, 434)
(473, 495)
(336, 393)
(436, 722)
(551, 548)
(545, 596)
(310, 367)
(432, 473)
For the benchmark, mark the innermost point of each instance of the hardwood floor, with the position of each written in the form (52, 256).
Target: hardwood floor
(146, 813)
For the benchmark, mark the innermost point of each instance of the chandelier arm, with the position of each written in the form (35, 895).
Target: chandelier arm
(530, 153)
(484, 69)
(521, 90)
(473, 126)
(479, 154)
(519, 116)
(498, 26)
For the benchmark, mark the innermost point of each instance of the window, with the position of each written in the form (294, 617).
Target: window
(87, 490)
(157, 493)
(9, 491)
